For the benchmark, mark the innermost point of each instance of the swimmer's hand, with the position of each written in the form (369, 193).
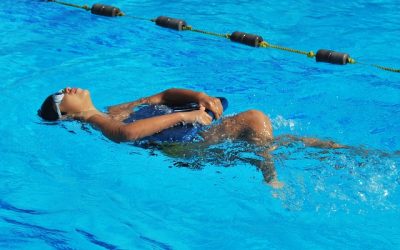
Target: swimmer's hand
(212, 104)
(198, 116)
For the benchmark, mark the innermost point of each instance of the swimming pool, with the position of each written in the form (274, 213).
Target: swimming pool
(66, 187)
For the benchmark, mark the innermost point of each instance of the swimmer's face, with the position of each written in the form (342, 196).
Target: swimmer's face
(75, 100)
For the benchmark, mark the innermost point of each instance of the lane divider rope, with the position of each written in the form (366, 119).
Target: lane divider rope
(322, 55)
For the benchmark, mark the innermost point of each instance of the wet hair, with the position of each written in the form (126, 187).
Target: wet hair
(48, 110)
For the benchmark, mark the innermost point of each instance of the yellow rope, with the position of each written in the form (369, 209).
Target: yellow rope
(189, 28)
(310, 54)
(352, 61)
(85, 7)
(140, 18)
(386, 68)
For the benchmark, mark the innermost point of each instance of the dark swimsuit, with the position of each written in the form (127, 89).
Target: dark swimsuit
(178, 133)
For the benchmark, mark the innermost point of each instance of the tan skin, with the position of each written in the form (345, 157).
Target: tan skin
(252, 126)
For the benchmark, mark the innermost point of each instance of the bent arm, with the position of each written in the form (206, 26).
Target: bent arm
(172, 97)
(119, 132)
(179, 96)
(168, 97)
(126, 105)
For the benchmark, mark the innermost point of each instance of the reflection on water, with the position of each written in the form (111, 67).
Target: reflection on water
(330, 180)
(349, 180)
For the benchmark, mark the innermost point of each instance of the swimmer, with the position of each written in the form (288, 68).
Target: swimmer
(251, 126)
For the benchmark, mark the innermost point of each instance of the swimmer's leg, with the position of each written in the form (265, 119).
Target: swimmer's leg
(252, 126)
(268, 171)
(284, 140)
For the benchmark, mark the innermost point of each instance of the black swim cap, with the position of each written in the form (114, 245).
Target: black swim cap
(48, 110)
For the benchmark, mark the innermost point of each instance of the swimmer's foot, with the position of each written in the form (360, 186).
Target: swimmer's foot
(317, 143)
(276, 184)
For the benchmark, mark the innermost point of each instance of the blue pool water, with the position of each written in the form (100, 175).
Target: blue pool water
(66, 187)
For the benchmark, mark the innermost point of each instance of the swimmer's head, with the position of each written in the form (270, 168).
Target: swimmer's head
(65, 102)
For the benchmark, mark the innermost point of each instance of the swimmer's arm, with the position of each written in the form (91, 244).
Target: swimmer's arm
(178, 96)
(122, 111)
(172, 97)
(168, 97)
(182, 96)
(119, 132)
